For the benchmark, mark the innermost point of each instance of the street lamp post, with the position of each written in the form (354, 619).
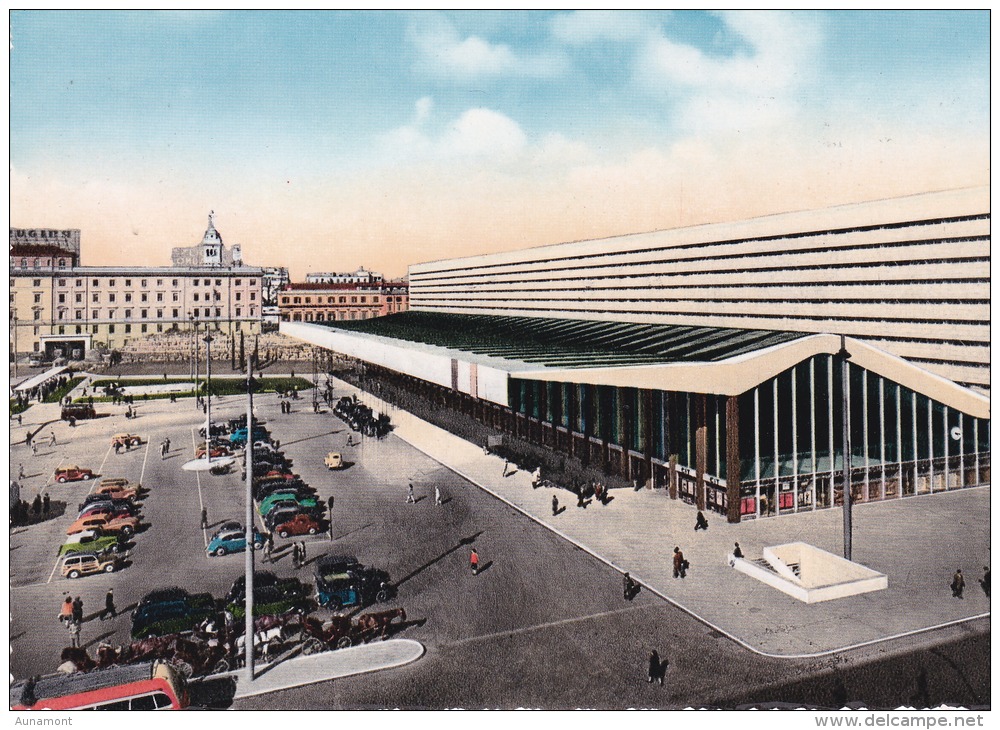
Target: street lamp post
(844, 356)
(249, 628)
(13, 311)
(208, 395)
(197, 355)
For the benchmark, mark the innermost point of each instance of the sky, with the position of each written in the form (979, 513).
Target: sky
(329, 140)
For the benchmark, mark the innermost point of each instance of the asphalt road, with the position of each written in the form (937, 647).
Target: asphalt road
(543, 624)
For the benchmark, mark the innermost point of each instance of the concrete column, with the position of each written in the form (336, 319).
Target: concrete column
(673, 476)
(574, 410)
(647, 441)
(700, 448)
(733, 459)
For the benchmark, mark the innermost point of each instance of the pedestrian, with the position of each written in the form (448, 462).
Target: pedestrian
(204, 518)
(598, 491)
(296, 556)
(66, 611)
(505, 464)
(737, 551)
(34, 449)
(628, 587)
(164, 376)
(302, 553)
(655, 671)
(410, 499)
(350, 440)
(36, 504)
(72, 422)
(74, 634)
(474, 562)
(20, 472)
(985, 580)
(109, 605)
(267, 551)
(52, 438)
(437, 495)
(78, 610)
(18, 419)
(680, 564)
(957, 584)
(28, 439)
(700, 523)
(118, 448)
(47, 503)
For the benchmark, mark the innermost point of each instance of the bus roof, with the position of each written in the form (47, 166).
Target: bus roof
(60, 685)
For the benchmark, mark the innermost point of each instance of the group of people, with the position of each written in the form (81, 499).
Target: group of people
(286, 407)
(164, 448)
(298, 554)
(958, 583)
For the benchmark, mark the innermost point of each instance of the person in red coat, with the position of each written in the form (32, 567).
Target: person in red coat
(680, 569)
(474, 562)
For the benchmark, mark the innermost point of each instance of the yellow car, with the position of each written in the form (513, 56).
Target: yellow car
(126, 439)
(75, 566)
(334, 460)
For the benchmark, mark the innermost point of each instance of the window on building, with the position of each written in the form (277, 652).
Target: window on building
(297, 300)
(62, 282)
(111, 329)
(253, 296)
(79, 314)
(38, 263)
(208, 312)
(175, 313)
(159, 314)
(128, 328)
(79, 282)
(173, 282)
(143, 282)
(296, 317)
(62, 298)
(62, 313)
(38, 314)
(196, 296)
(194, 282)
(352, 315)
(111, 313)
(284, 300)
(94, 282)
(319, 317)
(144, 297)
(238, 282)
(143, 313)
(143, 328)
(62, 265)
(36, 282)
(218, 312)
(35, 345)
(159, 296)
(364, 300)
(95, 296)
(128, 282)
(253, 282)
(238, 296)
(79, 298)
(343, 300)
(218, 282)
(159, 282)
(252, 310)
(159, 328)
(111, 297)
(354, 300)
(38, 298)
(62, 329)
(128, 296)
(24, 263)
(128, 314)
(329, 300)
(111, 282)
(176, 297)
(239, 312)
(375, 300)
(217, 297)
(79, 329)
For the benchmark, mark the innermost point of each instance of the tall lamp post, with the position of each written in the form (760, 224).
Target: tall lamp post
(194, 323)
(13, 311)
(208, 395)
(844, 356)
(249, 630)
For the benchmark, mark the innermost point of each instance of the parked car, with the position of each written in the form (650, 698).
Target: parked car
(232, 540)
(75, 566)
(105, 509)
(108, 524)
(218, 428)
(301, 491)
(126, 439)
(91, 541)
(334, 460)
(217, 451)
(342, 581)
(107, 499)
(239, 437)
(272, 596)
(118, 492)
(279, 515)
(261, 578)
(241, 422)
(172, 615)
(287, 499)
(72, 473)
(300, 524)
(281, 485)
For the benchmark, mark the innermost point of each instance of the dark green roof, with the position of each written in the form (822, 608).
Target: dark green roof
(568, 343)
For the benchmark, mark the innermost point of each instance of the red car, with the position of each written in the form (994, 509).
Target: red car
(301, 524)
(72, 474)
(217, 451)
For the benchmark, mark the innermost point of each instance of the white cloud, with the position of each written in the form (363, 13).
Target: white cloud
(483, 132)
(424, 106)
(739, 90)
(441, 50)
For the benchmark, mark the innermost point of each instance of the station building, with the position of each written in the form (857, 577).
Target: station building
(715, 361)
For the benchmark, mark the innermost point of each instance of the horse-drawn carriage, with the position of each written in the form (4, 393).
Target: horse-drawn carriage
(341, 632)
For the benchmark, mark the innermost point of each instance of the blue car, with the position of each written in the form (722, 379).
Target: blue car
(232, 539)
(239, 437)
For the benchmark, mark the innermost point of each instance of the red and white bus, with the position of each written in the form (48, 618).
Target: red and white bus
(146, 686)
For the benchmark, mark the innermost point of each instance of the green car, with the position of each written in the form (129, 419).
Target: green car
(90, 541)
(288, 500)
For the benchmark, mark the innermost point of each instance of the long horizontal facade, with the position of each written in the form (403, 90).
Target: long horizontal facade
(742, 366)
(909, 275)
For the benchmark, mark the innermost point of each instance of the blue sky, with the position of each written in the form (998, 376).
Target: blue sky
(395, 132)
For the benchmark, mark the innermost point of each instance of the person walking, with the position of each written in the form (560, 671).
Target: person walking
(474, 562)
(109, 605)
(654, 671)
(628, 587)
(36, 505)
(700, 523)
(985, 580)
(410, 499)
(204, 518)
(28, 438)
(74, 634)
(52, 438)
(267, 551)
(34, 449)
(18, 419)
(47, 505)
(78, 610)
(118, 448)
(66, 611)
(437, 496)
(957, 584)
(20, 471)
(302, 553)
(737, 551)
(166, 443)
(555, 505)
(680, 565)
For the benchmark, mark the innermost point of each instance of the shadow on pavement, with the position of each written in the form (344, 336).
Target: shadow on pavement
(461, 543)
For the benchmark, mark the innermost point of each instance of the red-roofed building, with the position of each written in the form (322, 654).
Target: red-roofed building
(330, 302)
